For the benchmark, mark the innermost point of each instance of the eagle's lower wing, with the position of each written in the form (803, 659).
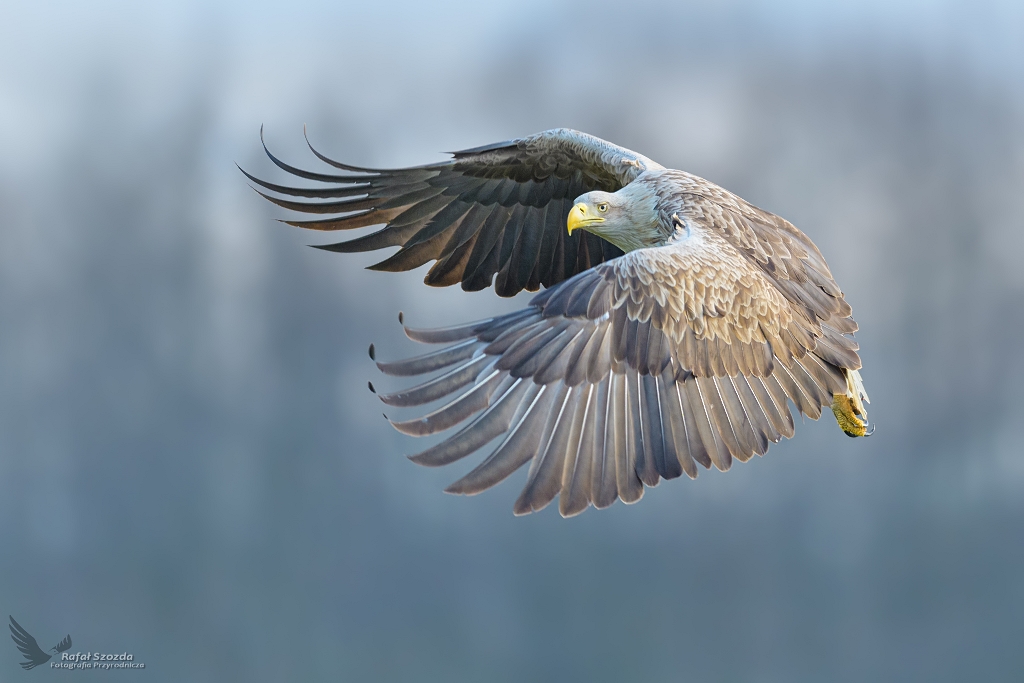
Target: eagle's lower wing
(498, 210)
(611, 381)
(27, 645)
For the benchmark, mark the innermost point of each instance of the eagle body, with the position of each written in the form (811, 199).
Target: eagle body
(676, 326)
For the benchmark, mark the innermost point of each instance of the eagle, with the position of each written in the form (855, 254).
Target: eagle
(26, 643)
(676, 324)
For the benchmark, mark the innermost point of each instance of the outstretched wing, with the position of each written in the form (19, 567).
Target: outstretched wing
(498, 210)
(634, 371)
(64, 645)
(34, 656)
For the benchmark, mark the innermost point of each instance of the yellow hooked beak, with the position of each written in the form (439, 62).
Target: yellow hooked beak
(581, 217)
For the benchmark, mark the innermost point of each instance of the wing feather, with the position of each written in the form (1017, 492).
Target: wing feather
(455, 412)
(545, 480)
(630, 488)
(675, 425)
(439, 387)
(700, 405)
(494, 421)
(516, 450)
(635, 430)
(603, 488)
(738, 417)
(579, 460)
(764, 430)
(773, 399)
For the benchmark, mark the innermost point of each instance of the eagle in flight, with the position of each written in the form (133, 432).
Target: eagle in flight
(676, 324)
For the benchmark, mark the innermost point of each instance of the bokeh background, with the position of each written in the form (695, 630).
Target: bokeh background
(192, 470)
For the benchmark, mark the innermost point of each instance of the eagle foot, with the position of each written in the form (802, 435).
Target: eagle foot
(849, 408)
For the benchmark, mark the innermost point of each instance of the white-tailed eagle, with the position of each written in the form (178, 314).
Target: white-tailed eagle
(676, 325)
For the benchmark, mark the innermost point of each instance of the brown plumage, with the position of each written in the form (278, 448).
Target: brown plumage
(674, 331)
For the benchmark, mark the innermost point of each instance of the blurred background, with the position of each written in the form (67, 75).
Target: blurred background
(192, 469)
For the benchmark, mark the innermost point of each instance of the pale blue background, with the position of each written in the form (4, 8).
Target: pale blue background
(192, 470)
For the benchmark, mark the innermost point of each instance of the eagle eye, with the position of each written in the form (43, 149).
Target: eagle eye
(602, 207)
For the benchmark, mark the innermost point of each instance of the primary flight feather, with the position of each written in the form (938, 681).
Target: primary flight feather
(677, 324)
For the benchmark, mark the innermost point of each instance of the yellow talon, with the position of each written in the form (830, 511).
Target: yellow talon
(849, 407)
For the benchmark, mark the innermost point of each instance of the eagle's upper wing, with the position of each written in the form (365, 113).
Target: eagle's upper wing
(782, 252)
(498, 209)
(633, 371)
(28, 646)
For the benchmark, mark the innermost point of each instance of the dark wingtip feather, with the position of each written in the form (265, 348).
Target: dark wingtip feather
(373, 353)
(348, 247)
(328, 160)
(298, 171)
(370, 384)
(264, 143)
(358, 186)
(401, 318)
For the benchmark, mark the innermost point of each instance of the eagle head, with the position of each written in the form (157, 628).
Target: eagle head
(627, 218)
